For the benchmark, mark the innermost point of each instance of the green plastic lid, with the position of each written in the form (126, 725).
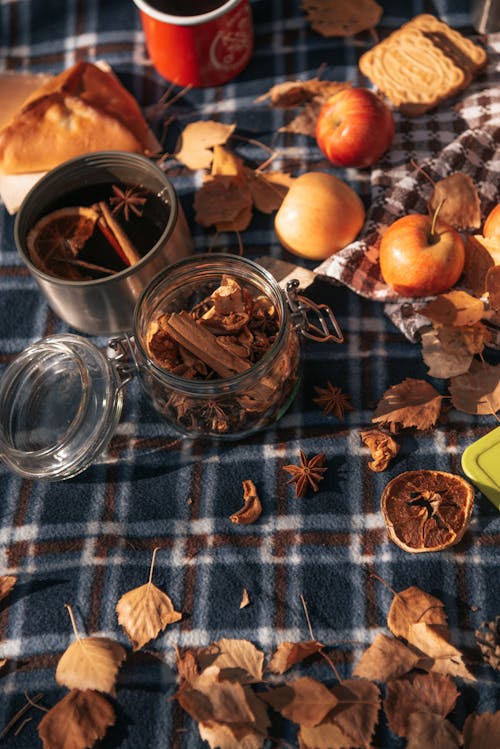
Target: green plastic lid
(481, 463)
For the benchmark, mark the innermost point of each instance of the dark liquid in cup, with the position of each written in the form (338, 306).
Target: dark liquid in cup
(142, 217)
(186, 7)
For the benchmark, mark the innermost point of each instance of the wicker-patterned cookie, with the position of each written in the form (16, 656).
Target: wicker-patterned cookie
(412, 71)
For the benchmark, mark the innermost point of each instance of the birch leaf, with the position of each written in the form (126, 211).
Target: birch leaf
(385, 659)
(411, 403)
(482, 730)
(77, 721)
(442, 364)
(427, 729)
(197, 140)
(477, 391)
(422, 693)
(290, 653)
(454, 308)
(457, 195)
(7, 582)
(144, 612)
(91, 663)
(238, 660)
(304, 701)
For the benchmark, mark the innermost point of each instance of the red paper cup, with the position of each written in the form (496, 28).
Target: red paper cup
(198, 50)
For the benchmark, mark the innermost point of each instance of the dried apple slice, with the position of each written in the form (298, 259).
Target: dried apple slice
(427, 510)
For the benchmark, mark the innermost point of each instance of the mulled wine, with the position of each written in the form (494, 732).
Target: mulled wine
(186, 7)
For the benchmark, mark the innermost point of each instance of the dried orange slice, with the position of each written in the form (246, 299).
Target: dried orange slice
(60, 234)
(427, 510)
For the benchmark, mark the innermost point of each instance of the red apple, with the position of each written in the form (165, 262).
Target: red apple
(354, 128)
(421, 256)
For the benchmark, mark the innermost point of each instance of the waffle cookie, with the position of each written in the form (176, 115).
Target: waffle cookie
(422, 63)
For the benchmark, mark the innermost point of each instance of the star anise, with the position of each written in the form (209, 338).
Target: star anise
(308, 474)
(128, 199)
(333, 400)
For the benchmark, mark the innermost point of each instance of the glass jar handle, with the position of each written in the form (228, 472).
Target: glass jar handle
(314, 321)
(121, 354)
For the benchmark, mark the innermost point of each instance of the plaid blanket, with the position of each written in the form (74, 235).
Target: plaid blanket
(88, 540)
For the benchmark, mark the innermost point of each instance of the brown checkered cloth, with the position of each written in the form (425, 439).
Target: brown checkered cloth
(461, 135)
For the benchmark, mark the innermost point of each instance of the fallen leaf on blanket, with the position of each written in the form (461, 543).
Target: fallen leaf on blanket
(91, 663)
(304, 701)
(478, 390)
(420, 619)
(433, 694)
(459, 201)
(441, 363)
(308, 96)
(411, 403)
(7, 582)
(477, 263)
(226, 163)
(245, 599)
(351, 723)
(492, 287)
(77, 721)
(468, 339)
(382, 446)
(342, 17)
(288, 654)
(429, 730)
(252, 506)
(223, 202)
(197, 140)
(268, 188)
(488, 640)
(482, 731)
(385, 659)
(187, 665)
(238, 660)
(145, 611)
(454, 308)
(491, 245)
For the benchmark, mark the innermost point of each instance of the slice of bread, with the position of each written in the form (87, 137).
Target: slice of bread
(421, 64)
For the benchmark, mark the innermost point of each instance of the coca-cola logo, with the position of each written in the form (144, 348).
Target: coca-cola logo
(232, 43)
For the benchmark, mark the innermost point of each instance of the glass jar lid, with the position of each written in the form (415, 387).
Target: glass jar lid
(60, 403)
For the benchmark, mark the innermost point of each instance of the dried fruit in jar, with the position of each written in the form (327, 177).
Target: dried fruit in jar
(427, 510)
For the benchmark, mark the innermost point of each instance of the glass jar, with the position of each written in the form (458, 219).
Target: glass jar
(61, 399)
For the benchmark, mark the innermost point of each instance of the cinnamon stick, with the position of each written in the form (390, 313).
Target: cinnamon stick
(110, 237)
(126, 245)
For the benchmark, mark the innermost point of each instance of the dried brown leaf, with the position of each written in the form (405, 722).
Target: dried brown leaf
(304, 701)
(469, 339)
(195, 144)
(224, 202)
(144, 612)
(427, 729)
(422, 693)
(291, 94)
(187, 666)
(420, 619)
(245, 599)
(459, 200)
(357, 711)
(477, 391)
(288, 654)
(268, 188)
(342, 17)
(77, 721)
(411, 403)
(91, 663)
(477, 263)
(252, 506)
(492, 287)
(304, 123)
(327, 735)
(482, 731)
(7, 582)
(441, 363)
(382, 446)
(454, 308)
(491, 245)
(385, 659)
(488, 640)
(226, 163)
(222, 736)
(238, 660)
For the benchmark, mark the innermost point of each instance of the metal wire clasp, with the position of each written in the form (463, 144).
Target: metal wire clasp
(120, 352)
(319, 327)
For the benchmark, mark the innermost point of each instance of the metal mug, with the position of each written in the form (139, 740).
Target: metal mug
(104, 306)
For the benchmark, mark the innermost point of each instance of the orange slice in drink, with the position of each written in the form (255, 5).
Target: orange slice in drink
(59, 235)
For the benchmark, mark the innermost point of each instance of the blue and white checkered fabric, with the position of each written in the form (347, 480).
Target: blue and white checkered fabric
(88, 540)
